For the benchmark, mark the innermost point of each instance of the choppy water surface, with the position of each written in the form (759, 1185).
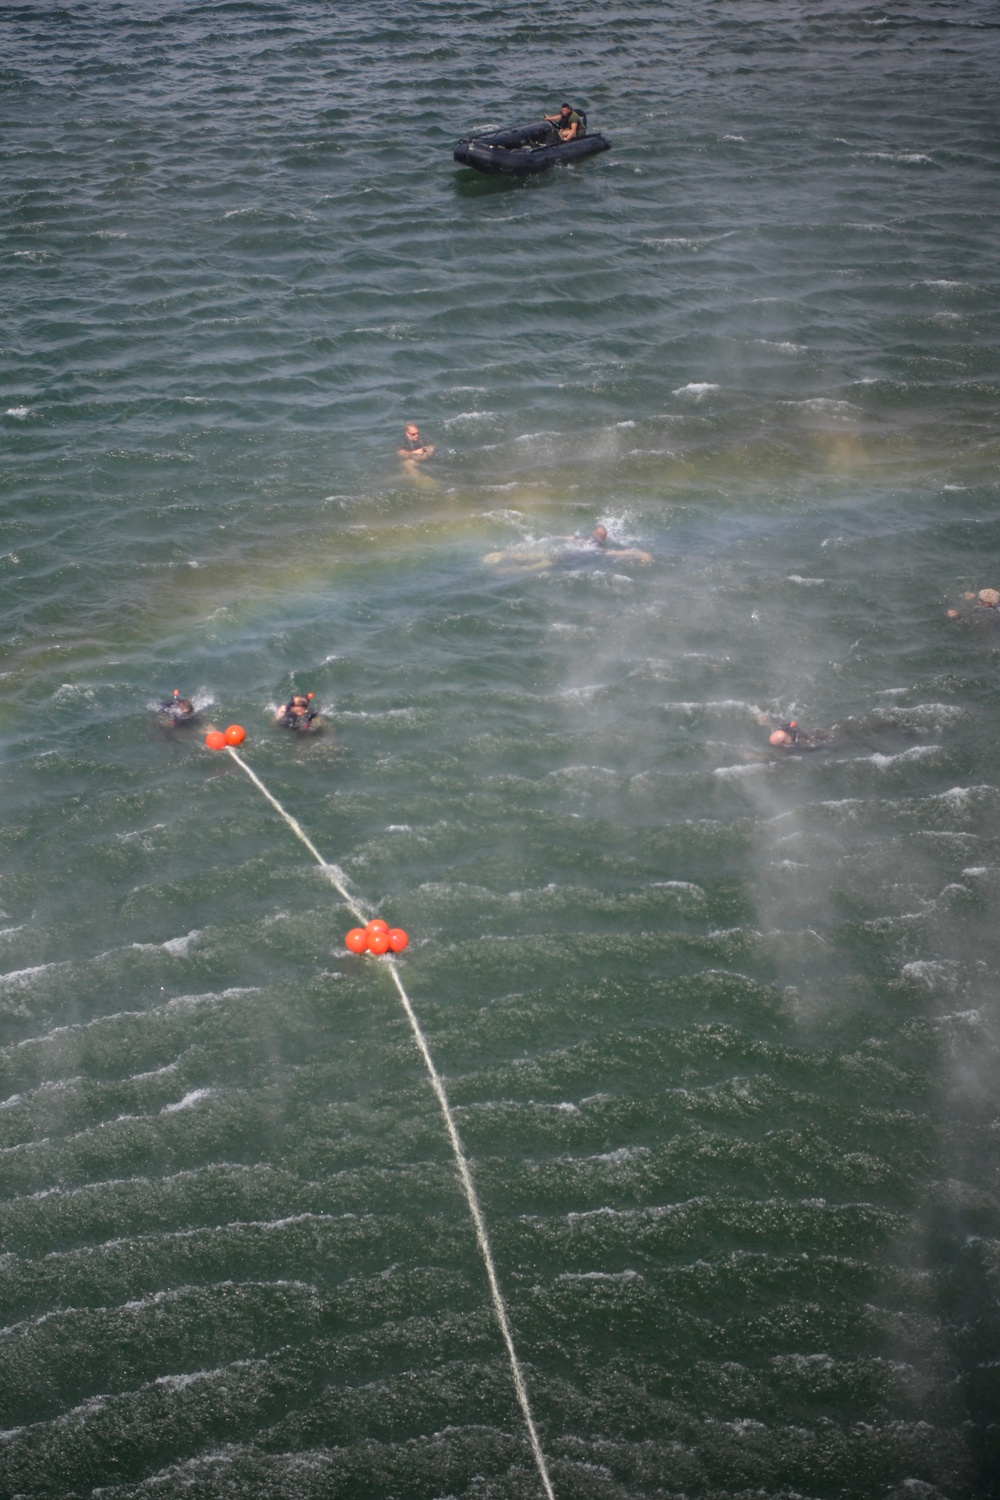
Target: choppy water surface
(719, 1028)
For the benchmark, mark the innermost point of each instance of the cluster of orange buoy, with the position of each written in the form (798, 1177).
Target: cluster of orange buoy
(217, 739)
(377, 937)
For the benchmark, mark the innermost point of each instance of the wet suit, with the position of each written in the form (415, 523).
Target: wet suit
(179, 710)
(873, 732)
(292, 720)
(817, 739)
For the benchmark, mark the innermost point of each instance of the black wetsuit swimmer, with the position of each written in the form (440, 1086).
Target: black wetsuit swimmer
(801, 742)
(178, 710)
(298, 713)
(873, 732)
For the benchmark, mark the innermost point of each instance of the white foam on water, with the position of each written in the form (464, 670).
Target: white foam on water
(181, 1382)
(464, 418)
(175, 1294)
(16, 978)
(407, 715)
(967, 1017)
(574, 771)
(582, 693)
(205, 1230)
(959, 797)
(153, 1073)
(211, 997)
(699, 704)
(188, 1102)
(74, 1417)
(916, 752)
(177, 946)
(600, 1276)
(902, 156)
(933, 972)
(179, 1002)
(825, 404)
(696, 389)
(49, 1086)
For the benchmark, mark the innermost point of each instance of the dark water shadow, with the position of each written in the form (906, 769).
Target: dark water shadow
(469, 183)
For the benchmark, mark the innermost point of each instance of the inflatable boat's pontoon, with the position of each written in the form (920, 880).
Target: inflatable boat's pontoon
(525, 148)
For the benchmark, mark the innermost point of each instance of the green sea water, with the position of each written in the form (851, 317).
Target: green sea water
(719, 1026)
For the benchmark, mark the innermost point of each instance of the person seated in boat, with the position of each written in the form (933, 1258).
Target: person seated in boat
(297, 713)
(178, 710)
(414, 448)
(569, 125)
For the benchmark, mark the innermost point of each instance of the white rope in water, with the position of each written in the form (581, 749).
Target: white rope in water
(338, 880)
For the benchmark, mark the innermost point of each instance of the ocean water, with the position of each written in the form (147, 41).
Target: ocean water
(719, 1026)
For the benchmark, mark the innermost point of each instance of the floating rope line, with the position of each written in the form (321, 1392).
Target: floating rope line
(338, 880)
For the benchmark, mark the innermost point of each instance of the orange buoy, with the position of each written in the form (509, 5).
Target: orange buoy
(378, 942)
(377, 925)
(215, 739)
(398, 939)
(235, 734)
(356, 940)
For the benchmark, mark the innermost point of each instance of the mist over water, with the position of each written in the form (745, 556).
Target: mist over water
(719, 1026)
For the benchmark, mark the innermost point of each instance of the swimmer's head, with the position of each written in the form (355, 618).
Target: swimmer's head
(177, 708)
(781, 737)
(989, 597)
(953, 614)
(599, 535)
(412, 432)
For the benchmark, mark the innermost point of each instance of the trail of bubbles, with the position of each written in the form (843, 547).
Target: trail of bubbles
(338, 880)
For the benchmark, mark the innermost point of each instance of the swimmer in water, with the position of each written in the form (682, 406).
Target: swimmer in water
(789, 738)
(589, 549)
(298, 713)
(986, 599)
(875, 731)
(414, 449)
(178, 710)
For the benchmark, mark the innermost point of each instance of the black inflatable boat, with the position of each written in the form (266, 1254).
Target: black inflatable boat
(525, 148)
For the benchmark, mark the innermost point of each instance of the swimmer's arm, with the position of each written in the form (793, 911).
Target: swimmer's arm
(633, 552)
